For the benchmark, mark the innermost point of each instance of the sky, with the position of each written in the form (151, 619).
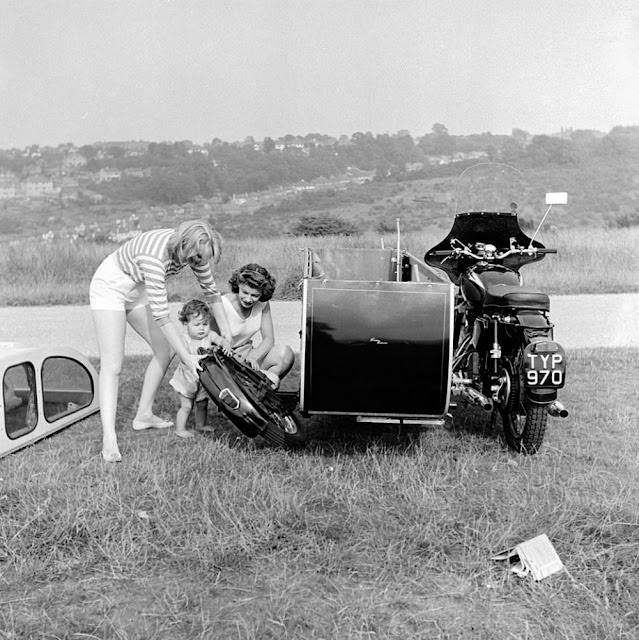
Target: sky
(84, 71)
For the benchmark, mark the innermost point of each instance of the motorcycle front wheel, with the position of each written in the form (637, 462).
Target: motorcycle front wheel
(523, 421)
(264, 413)
(283, 430)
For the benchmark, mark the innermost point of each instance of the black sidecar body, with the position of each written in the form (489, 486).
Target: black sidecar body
(376, 336)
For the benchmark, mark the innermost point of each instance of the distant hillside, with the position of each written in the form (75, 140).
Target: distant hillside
(366, 180)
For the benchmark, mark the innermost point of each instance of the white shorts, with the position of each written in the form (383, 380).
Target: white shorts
(113, 290)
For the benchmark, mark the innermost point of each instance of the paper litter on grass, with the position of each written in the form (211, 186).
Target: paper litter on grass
(536, 557)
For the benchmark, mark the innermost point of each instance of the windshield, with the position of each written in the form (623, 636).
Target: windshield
(489, 186)
(487, 202)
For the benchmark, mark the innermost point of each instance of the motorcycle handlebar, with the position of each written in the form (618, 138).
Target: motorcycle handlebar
(498, 256)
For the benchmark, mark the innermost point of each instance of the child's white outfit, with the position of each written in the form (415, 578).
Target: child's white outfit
(243, 329)
(184, 381)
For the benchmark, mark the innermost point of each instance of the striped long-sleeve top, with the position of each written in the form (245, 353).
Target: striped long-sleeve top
(145, 258)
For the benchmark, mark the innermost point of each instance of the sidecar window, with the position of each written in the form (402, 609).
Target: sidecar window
(67, 387)
(19, 400)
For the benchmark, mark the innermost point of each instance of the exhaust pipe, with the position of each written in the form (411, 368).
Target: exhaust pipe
(477, 398)
(557, 410)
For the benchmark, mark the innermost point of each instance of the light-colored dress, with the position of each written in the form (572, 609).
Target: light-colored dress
(184, 381)
(243, 330)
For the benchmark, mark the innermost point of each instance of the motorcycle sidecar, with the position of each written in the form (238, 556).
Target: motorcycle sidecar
(375, 344)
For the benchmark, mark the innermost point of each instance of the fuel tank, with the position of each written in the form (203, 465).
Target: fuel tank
(479, 278)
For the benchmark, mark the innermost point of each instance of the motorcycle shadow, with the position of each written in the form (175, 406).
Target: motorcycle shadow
(326, 436)
(330, 435)
(470, 419)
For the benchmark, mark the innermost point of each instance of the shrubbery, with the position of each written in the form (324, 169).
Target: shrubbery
(323, 225)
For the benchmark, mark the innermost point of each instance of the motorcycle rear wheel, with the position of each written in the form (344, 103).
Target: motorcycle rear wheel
(523, 421)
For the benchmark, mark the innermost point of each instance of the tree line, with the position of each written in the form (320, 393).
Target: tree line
(179, 172)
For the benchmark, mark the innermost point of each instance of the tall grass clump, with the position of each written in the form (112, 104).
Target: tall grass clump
(46, 273)
(588, 260)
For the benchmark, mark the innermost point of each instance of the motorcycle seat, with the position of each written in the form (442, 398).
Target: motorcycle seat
(504, 295)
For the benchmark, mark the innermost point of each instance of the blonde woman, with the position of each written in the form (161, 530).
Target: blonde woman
(130, 287)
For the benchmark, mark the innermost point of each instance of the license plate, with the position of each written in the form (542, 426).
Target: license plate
(544, 365)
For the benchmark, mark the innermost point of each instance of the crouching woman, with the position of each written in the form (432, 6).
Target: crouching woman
(250, 323)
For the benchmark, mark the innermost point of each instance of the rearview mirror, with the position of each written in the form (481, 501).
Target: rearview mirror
(560, 197)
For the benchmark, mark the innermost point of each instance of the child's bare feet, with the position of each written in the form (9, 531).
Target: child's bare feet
(183, 433)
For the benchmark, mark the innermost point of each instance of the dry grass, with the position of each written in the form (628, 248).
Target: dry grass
(589, 261)
(361, 535)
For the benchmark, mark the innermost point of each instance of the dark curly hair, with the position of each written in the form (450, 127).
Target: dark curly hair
(193, 308)
(255, 276)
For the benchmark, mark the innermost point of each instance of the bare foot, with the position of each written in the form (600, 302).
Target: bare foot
(152, 422)
(111, 456)
(204, 428)
(183, 434)
(110, 450)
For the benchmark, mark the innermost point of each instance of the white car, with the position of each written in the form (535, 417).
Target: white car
(44, 389)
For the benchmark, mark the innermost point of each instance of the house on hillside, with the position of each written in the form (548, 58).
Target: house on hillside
(196, 148)
(38, 186)
(107, 175)
(8, 188)
(73, 161)
(137, 172)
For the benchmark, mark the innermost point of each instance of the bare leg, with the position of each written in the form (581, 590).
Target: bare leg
(186, 404)
(201, 408)
(279, 360)
(143, 323)
(110, 327)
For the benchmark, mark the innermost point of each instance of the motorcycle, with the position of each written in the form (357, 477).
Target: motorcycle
(505, 359)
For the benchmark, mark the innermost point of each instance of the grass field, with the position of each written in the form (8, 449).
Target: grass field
(361, 535)
(588, 261)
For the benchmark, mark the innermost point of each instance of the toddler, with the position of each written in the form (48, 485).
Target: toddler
(195, 315)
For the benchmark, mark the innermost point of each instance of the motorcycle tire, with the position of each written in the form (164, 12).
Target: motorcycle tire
(257, 409)
(523, 421)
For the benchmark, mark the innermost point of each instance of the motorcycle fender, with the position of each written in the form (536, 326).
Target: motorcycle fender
(230, 398)
(541, 396)
(533, 321)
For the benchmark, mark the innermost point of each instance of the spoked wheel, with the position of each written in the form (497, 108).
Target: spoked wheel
(523, 421)
(281, 428)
